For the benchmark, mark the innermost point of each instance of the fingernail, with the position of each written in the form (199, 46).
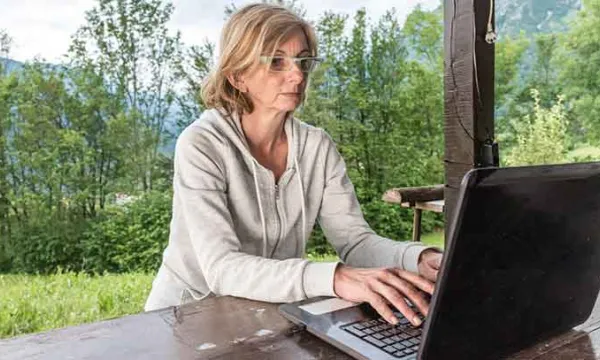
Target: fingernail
(394, 320)
(416, 320)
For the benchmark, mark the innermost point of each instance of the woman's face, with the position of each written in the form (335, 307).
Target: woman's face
(278, 91)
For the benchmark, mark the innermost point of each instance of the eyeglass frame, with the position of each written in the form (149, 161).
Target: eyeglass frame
(265, 59)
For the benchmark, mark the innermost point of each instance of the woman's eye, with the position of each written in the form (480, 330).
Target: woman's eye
(277, 64)
(306, 64)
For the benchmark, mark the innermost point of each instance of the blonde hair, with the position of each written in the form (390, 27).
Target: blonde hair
(251, 31)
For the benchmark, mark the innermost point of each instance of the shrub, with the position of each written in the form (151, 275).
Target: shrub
(131, 237)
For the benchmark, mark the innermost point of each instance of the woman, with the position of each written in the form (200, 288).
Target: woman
(251, 181)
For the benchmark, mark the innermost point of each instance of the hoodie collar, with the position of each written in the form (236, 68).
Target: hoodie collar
(235, 133)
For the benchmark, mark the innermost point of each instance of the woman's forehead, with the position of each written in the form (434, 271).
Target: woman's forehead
(293, 44)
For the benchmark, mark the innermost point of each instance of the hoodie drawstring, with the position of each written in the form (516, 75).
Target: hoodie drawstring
(303, 204)
(260, 209)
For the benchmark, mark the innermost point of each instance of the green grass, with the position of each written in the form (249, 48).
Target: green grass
(36, 303)
(434, 239)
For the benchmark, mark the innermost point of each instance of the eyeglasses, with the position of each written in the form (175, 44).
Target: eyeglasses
(286, 63)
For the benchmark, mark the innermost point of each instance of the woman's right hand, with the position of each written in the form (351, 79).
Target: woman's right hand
(383, 286)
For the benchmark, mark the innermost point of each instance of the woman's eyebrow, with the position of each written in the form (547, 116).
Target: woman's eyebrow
(301, 52)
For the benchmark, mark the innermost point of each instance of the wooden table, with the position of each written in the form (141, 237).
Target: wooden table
(230, 328)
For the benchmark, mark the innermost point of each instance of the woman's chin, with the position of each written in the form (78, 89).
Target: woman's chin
(289, 105)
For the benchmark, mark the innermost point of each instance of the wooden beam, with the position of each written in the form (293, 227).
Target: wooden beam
(414, 194)
(468, 92)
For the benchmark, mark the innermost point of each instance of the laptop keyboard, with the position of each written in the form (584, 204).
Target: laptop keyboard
(399, 341)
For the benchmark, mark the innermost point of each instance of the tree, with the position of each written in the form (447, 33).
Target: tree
(541, 137)
(580, 68)
(128, 42)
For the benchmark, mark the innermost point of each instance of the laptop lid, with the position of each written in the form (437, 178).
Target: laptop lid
(522, 262)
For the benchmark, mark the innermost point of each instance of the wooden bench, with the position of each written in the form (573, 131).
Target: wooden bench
(429, 198)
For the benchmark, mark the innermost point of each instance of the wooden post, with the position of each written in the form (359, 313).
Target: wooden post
(469, 91)
(417, 224)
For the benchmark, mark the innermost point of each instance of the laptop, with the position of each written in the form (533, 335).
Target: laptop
(521, 264)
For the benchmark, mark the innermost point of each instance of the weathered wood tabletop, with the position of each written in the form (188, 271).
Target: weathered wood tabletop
(231, 328)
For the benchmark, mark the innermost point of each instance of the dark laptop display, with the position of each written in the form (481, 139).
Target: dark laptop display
(522, 263)
(526, 264)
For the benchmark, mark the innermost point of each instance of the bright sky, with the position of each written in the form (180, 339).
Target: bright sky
(44, 27)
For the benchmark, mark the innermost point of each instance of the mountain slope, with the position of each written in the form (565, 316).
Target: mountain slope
(534, 16)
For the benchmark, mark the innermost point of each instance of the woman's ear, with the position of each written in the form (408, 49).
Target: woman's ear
(237, 83)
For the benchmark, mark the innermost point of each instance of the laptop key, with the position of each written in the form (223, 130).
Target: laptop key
(403, 336)
(390, 349)
(378, 336)
(407, 343)
(359, 326)
(411, 332)
(368, 331)
(395, 338)
(414, 341)
(403, 321)
(374, 341)
(399, 354)
(409, 351)
(355, 331)
(399, 346)
(388, 341)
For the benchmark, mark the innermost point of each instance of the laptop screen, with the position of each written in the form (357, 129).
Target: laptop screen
(523, 261)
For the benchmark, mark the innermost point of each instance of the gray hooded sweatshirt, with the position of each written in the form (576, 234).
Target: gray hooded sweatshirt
(236, 231)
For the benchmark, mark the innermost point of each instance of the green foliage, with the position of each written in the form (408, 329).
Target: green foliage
(584, 153)
(130, 237)
(128, 42)
(580, 66)
(36, 303)
(383, 108)
(541, 137)
(44, 245)
(71, 137)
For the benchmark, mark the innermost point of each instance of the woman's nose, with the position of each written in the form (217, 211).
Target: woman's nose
(295, 74)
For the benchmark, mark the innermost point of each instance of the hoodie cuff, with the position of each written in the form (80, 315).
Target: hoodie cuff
(410, 258)
(318, 279)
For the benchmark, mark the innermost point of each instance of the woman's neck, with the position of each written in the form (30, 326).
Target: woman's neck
(264, 131)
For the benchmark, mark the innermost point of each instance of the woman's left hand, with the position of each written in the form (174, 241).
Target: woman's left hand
(429, 264)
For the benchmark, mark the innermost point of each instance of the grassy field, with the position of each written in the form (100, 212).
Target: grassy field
(36, 303)
(30, 303)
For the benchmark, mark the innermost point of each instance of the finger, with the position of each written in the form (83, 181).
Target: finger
(411, 293)
(379, 304)
(436, 261)
(429, 273)
(396, 294)
(417, 280)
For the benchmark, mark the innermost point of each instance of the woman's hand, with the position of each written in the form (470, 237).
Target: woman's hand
(430, 262)
(382, 287)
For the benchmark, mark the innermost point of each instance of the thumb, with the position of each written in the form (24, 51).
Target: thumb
(437, 262)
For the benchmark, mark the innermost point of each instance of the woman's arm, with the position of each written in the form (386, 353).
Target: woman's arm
(377, 270)
(200, 191)
(345, 228)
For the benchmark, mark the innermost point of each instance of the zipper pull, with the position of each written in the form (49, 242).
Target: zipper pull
(276, 192)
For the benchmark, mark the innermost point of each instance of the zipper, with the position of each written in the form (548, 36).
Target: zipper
(280, 223)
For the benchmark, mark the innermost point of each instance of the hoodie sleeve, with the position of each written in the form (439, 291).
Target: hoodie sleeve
(344, 226)
(200, 191)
